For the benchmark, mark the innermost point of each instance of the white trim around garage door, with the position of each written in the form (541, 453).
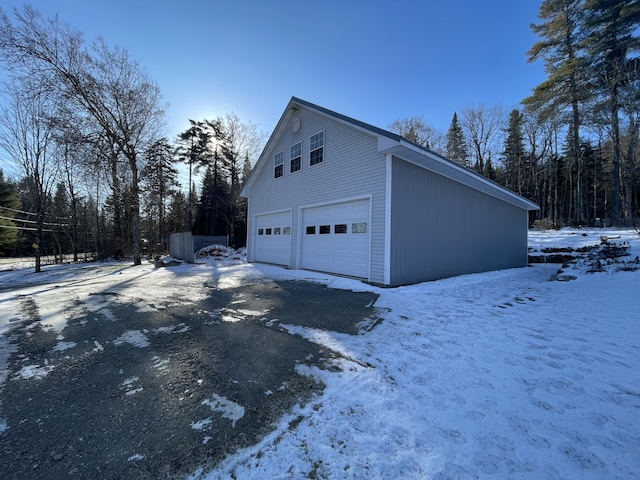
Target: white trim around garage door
(272, 237)
(335, 237)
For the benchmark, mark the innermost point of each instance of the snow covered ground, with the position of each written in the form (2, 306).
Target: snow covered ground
(495, 375)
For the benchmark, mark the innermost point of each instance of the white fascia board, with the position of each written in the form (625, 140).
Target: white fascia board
(386, 143)
(267, 150)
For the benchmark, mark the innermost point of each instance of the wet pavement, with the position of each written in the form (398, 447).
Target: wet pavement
(155, 394)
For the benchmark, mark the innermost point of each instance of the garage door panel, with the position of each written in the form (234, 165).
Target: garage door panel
(345, 249)
(273, 238)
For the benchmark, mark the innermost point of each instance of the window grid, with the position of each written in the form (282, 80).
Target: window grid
(279, 164)
(316, 149)
(316, 141)
(295, 154)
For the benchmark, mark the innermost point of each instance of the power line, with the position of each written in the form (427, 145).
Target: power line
(18, 211)
(18, 220)
(33, 221)
(25, 228)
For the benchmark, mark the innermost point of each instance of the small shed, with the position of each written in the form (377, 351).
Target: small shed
(333, 194)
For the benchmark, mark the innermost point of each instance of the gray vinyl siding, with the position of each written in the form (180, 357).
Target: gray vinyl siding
(441, 228)
(352, 168)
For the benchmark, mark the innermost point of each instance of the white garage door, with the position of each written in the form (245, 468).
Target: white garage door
(272, 238)
(335, 238)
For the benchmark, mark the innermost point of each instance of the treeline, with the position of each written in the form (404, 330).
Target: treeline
(83, 126)
(572, 146)
(77, 223)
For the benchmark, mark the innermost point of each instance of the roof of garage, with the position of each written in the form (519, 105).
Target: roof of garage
(394, 144)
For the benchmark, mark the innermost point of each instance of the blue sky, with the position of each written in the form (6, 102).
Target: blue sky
(369, 59)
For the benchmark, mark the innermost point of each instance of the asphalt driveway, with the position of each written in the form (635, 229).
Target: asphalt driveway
(155, 394)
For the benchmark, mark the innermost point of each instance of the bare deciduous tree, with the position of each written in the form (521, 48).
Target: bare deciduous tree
(27, 137)
(106, 87)
(240, 142)
(416, 130)
(482, 126)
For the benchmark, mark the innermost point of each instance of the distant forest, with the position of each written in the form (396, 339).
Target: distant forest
(572, 146)
(83, 125)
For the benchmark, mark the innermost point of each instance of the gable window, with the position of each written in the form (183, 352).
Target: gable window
(316, 149)
(279, 164)
(296, 157)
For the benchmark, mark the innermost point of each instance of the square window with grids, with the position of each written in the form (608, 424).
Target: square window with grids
(295, 155)
(279, 164)
(316, 149)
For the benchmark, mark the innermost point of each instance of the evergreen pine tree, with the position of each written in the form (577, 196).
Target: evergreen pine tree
(562, 31)
(60, 219)
(213, 212)
(456, 149)
(514, 153)
(9, 203)
(161, 180)
(613, 37)
(193, 149)
(177, 214)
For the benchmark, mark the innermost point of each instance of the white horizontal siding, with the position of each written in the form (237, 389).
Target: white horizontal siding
(352, 168)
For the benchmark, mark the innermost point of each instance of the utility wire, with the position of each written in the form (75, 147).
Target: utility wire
(18, 220)
(19, 211)
(25, 228)
(33, 221)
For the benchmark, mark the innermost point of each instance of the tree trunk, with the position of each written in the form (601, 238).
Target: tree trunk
(74, 225)
(37, 251)
(575, 132)
(37, 244)
(117, 205)
(630, 168)
(135, 207)
(615, 170)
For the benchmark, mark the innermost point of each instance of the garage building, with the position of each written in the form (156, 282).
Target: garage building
(333, 194)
